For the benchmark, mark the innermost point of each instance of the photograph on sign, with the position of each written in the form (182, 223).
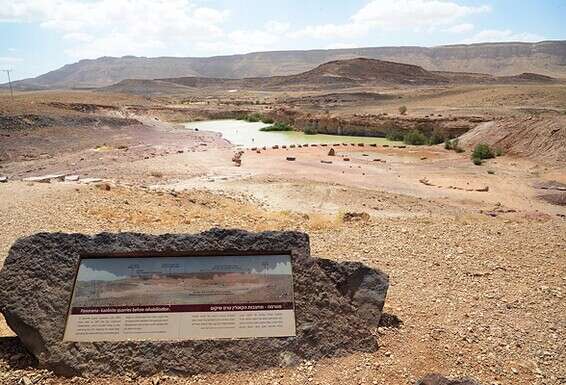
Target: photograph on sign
(197, 297)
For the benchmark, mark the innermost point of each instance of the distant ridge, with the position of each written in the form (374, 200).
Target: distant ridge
(501, 59)
(337, 74)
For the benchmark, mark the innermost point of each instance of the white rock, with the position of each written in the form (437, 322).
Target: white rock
(91, 180)
(45, 178)
(3, 179)
(71, 178)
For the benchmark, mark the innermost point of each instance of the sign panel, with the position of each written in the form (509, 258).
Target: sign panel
(182, 298)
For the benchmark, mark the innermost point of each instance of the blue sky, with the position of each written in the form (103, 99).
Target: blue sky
(42, 35)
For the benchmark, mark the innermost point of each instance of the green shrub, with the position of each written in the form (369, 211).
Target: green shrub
(403, 110)
(267, 120)
(277, 127)
(482, 151)
(309, 130)
(255, 117)
(498, 151)
(394, 136)
(415, 137)
(453, 145)
(436, 138)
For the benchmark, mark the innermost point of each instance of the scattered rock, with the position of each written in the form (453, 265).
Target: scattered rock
(426, 182)
(483, 189)
(346, 159)
(291, 158)
(103, 186)
(275, 147)
(45, 178)
(352, 217)
(331, 152)
(326, 161)
(90, 180)
(25, 381)
(237, 158)
(437, 379)
(3, 179)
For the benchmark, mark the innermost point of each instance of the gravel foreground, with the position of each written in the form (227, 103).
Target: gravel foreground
(470, 295)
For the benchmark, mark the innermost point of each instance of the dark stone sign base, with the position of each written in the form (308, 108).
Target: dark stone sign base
(337, 305)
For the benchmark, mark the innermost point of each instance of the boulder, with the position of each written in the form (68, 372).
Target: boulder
(3, 179)
(338, 305)
(331, 152)
(71, 178)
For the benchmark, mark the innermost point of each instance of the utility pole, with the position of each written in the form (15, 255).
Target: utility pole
(9, 82)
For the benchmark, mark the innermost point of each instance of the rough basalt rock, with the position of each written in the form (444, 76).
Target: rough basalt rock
(336, 305)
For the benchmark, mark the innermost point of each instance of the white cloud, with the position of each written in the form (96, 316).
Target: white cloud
(460, 28)
(332, 31)
(494, 35)
(389, 15)
(120, 27)
(396, 14)
(10, 59)
(94, 28)
(277, 26)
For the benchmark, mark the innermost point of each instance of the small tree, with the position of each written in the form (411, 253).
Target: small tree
(403, 110)
(482, 151)
(415, 138)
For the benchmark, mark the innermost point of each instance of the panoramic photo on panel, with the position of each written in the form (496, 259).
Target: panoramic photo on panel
(364, 192)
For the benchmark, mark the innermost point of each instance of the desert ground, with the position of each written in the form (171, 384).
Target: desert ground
(475, 254)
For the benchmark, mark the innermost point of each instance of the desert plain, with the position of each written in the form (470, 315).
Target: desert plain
(475, 253)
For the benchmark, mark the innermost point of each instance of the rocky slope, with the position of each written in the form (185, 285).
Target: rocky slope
(547, 58)
(537, 137)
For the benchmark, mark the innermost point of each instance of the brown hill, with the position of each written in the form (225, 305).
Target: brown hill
(500, 59)
(333, 75)
(362, 71)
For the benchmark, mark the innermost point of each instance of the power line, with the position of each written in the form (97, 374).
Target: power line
(10, 82)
